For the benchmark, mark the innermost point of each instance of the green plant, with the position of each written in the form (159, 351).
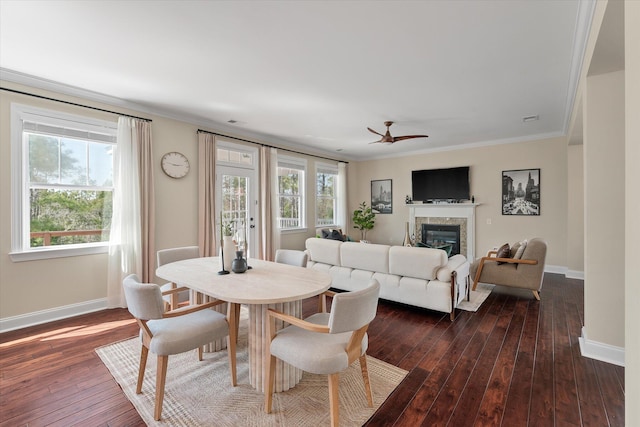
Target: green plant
(364, 219)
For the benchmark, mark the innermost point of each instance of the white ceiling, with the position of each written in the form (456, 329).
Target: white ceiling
(315, 74)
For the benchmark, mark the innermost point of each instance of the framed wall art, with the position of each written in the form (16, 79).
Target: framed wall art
(521, 192)
(381, 196)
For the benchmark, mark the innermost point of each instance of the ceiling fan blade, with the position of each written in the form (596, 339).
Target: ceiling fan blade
(373, 131)
(400, 138)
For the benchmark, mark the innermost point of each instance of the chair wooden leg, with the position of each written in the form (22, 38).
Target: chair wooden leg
(231, 349)
(478, 273)
(536, 294)
(365, 378)
(334, 401)
(270, 377)
(143, 365)
(161, 376)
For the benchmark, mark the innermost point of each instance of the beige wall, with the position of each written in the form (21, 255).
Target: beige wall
(486, 164)
(604, 176)
(575, 211)
(32, 286)
(632, 211)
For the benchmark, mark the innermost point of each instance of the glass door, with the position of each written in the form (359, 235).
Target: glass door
(237, 201)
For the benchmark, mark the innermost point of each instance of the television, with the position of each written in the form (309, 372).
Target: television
(432, 185)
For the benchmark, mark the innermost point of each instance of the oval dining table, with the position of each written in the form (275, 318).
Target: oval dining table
(266, 285)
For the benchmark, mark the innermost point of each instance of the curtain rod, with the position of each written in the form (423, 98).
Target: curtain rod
(271, 146)
(74, 104)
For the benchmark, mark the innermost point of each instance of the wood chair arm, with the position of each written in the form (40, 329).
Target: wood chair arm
(495, 259)
(298, 322)
(191, 309)
(322, 300)
(175, 290)
(509, 260)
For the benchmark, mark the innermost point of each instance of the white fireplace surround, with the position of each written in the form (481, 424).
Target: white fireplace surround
(448, 210)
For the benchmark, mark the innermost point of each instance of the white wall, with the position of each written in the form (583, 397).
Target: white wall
(575, 211)
(487, 164)
(632, 212)
(604, 176)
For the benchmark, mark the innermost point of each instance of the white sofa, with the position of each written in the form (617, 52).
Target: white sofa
(421, 277)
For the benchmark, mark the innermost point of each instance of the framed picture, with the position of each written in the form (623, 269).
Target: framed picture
(381, 196)
(521, 192)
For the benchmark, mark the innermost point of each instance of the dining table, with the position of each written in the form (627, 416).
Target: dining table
(266, 285)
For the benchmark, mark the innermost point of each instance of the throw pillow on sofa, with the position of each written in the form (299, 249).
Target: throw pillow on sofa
(332, 234)
(504, 252)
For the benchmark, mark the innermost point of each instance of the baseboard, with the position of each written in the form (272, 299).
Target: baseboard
(573, 274)
(599, 351)
(569, 274)
(49, 315)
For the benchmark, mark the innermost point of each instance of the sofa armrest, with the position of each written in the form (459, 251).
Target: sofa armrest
(455, 263)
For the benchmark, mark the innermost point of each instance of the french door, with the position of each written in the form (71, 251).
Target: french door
(237, 193)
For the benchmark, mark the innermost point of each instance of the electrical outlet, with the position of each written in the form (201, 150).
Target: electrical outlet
(488, 221)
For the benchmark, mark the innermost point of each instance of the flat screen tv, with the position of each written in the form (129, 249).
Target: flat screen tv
(450, 184)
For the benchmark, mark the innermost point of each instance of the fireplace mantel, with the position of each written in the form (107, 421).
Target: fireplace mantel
(448, 210)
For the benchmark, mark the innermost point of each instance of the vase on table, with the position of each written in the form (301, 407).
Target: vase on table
(239, 265)
(227, 252)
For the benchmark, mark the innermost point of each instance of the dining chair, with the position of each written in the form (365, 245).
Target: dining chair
(324, 343)
(173, 332)
(291, 257)
(166, 256)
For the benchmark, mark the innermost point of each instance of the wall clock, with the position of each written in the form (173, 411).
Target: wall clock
(175, 164)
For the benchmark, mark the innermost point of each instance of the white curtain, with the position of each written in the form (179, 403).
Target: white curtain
(269, 233)
(125, 243)
(343, 215)
(206, 194)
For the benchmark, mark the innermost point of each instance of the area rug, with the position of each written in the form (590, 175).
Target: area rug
(476, 298)
(200, 393)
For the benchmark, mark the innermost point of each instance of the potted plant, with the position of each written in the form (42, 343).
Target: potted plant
(363, 218)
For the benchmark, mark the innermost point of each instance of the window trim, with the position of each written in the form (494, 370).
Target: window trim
(296, 162)
(326, 168)
(19, 185)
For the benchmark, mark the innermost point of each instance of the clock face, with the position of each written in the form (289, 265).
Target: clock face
(175, 164)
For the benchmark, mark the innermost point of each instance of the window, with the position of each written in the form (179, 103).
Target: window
(326, 194)
(62, 182)
(291, 173)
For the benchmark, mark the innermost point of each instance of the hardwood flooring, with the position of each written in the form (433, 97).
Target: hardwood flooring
(514, 362)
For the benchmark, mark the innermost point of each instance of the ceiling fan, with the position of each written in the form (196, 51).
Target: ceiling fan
(388, 139)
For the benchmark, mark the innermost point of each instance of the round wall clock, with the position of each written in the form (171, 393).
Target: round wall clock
(175, 164)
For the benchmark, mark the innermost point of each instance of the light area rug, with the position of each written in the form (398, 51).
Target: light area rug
(476, 298)
(200, 393)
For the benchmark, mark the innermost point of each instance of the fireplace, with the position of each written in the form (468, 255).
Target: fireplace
(441, 235)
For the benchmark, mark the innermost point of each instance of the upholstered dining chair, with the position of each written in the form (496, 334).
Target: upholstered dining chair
(291, 257)
(165, 256)
(166, 333)
(324, 343)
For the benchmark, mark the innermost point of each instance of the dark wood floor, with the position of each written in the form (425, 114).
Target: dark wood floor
(515, 362)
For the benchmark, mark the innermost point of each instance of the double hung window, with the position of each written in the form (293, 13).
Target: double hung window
(62, 182)
(326, 194)
(291, 200)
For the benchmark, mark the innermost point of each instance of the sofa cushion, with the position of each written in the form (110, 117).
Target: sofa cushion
(420, 263)
(325, 251)
(363, 256)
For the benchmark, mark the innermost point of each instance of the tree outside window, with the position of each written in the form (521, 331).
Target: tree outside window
(291, 194)
(326, 196)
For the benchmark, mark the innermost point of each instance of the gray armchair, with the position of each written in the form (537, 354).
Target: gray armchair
(325, 343)
(173, 332)
(291, 257)
(525, 272)
(165, 256)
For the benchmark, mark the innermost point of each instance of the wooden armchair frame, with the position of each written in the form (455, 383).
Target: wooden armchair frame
(492, 257)
(353, 350)
(163, 361)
